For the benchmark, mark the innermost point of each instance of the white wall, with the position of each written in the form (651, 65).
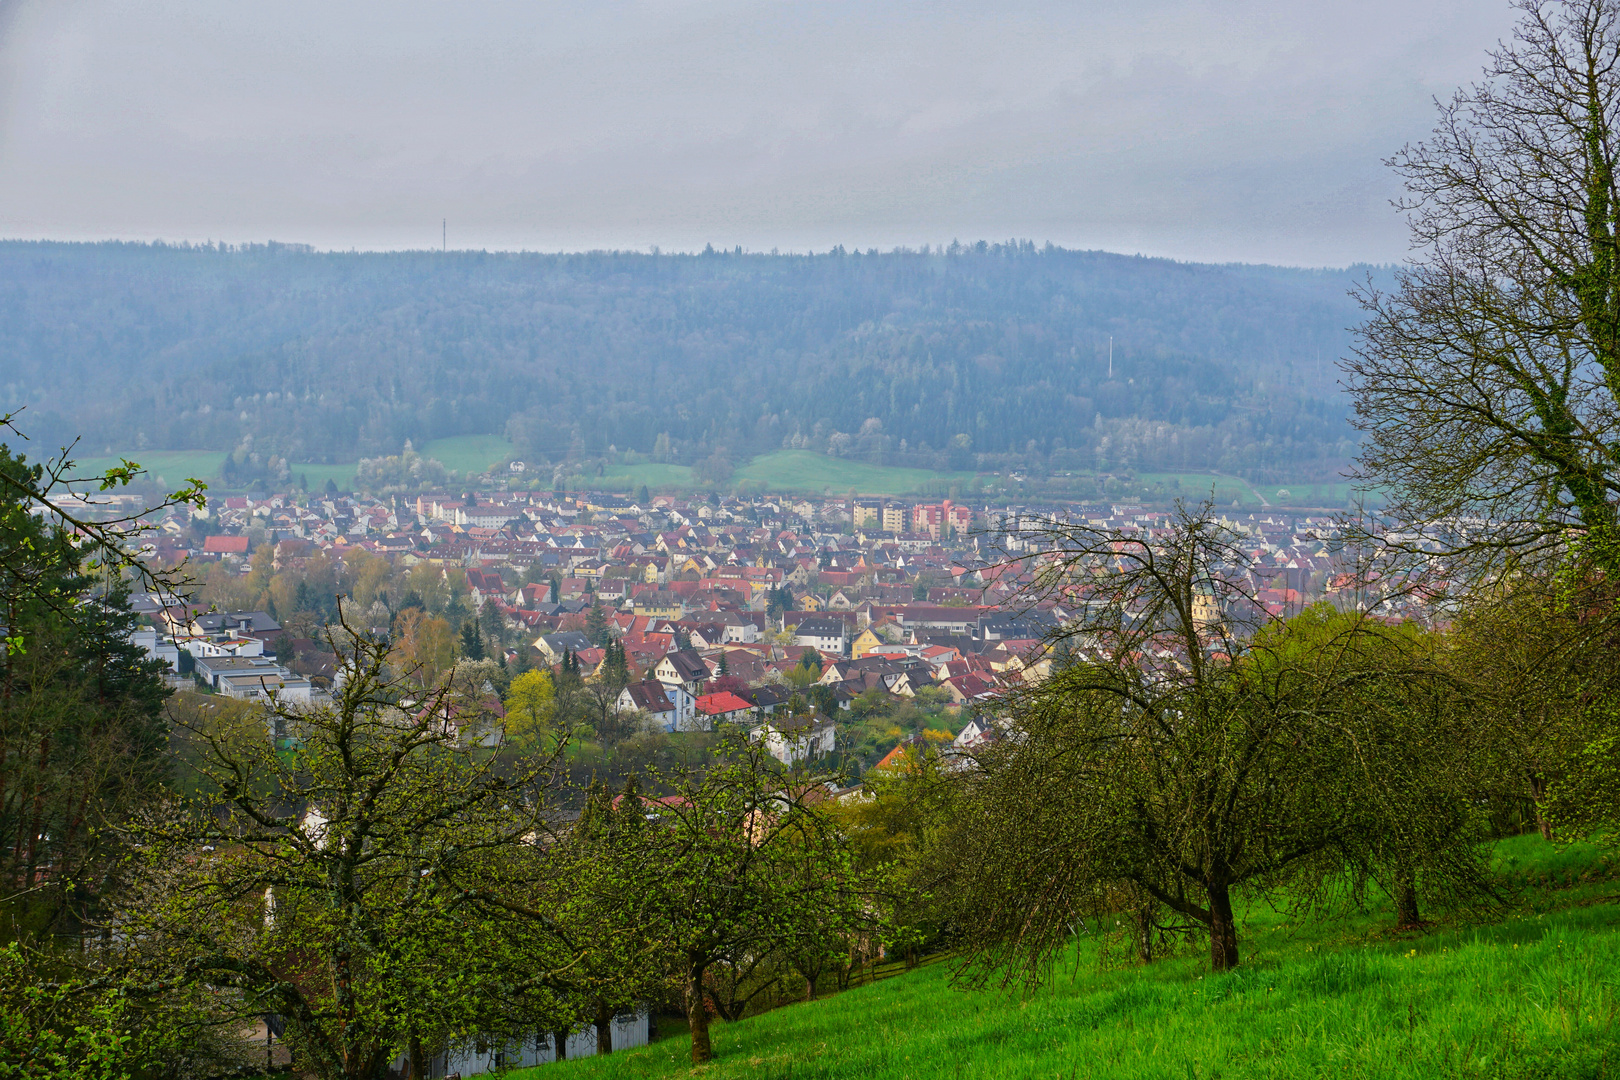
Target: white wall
(629, 1032)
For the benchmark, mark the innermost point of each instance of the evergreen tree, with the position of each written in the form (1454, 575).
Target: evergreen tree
(82, 735)
(472, 640)
(596, 626)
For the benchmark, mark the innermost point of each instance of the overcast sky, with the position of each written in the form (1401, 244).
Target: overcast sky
(1239, 130)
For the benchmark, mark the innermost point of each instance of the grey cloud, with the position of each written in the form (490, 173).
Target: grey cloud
(1243, 130)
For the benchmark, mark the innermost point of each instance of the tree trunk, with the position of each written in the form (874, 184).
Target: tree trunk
(1406, 900)
(1143, 908)
(604, 1027)
(697, 1012)
(1223, 946)
(418, 1059)
(559, 1039)
(1538, 789)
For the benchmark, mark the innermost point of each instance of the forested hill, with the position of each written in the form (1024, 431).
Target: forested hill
(994, 352)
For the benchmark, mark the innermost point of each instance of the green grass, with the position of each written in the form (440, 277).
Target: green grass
(1194, 486)
(169, 468)
(1535, 995)
(342, 475)
(657, 476)
(807, 471)
(166, 467)
(468, 453)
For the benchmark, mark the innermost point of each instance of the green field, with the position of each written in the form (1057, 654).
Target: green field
(794, 471)
(341, 475)
(168, 468)
(807, 471)
(1535, 995)
(1192, 486)
(657, 476)
(468, 453)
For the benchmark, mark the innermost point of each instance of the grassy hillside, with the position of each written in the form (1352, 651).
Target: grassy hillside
(1535, 995)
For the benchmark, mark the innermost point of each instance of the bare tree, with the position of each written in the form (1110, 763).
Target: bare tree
(1487, 379)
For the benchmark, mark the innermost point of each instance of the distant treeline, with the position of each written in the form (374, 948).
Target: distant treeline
(972, 356)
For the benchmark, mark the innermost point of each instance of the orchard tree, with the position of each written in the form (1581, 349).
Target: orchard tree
(1187, 752)
(737, 863)
(359, 885)
(1538, 658)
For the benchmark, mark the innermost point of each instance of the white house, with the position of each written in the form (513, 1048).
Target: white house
(823, 635)
(791, 739)
(651, 697)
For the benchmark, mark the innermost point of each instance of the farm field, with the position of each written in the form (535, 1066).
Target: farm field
(468, 453)
(1195, 486)
(341, 474)
(166, 467)
(656, 475)
(1533, 995)
(810, 472)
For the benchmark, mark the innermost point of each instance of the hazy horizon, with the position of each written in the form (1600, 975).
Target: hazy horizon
(852, 249)
(1244, 132)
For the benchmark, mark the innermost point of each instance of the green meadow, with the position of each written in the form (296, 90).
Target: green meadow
(808, 471)
(468, 453)
(656, 475)
(1535, 994)
(341, 475)
(1225, 489)
(788, 471)
(165, 467)
(169, 468)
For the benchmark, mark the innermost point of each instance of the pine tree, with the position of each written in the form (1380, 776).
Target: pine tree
(472, 640)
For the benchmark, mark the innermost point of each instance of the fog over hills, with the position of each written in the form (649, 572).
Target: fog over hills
(985, 356)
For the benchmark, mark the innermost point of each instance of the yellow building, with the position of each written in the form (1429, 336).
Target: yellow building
(864, 643)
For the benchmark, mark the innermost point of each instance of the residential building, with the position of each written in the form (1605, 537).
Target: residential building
(823, 635)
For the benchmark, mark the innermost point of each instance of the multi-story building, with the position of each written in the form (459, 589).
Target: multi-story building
(941, 519)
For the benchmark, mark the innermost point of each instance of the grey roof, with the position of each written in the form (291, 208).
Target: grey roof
(247, 622)
(689, 665)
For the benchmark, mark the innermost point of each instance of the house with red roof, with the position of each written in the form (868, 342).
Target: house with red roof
(724, 707)
(219, 547)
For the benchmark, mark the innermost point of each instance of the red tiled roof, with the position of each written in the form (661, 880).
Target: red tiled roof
(226, 545)
(723, 702)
